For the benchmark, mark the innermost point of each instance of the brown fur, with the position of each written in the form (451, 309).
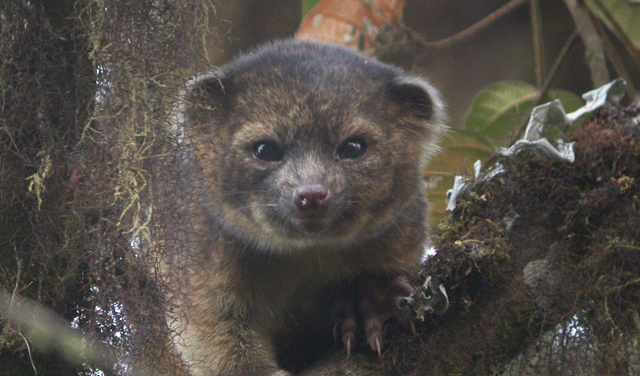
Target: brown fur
(250, 266)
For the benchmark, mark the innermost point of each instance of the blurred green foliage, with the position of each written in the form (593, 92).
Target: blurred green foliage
(626, 14)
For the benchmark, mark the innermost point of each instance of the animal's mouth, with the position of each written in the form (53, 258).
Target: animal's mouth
(334, 222)
(312, 224)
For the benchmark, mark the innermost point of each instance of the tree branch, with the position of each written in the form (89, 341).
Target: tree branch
(593, 44)
(538, 48)
(471, 30)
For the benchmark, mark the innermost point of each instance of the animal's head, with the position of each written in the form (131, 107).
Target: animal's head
(305, 145)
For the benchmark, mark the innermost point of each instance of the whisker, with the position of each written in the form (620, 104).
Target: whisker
(376, 221)
(393, 222)
(247, 207)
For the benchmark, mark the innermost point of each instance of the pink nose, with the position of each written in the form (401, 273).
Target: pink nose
(311, 196)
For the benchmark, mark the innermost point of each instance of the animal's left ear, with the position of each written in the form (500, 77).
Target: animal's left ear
(419, 102)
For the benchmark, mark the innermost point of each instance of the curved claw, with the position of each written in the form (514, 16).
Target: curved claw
(375, 342)
(349, 343)
(372, 301)
(348, 327)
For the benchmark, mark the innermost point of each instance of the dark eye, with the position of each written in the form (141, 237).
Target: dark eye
(352, 148)
(268, 151)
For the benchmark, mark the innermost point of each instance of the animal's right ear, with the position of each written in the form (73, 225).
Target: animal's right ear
(208, 100)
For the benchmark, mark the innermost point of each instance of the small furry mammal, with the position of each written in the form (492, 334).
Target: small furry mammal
(307, 163)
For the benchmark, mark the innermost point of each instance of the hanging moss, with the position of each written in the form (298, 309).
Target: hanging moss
(85, 91)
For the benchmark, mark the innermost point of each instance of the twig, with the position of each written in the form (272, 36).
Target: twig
(592, 42)
(621, 34)
(552, 74)
(26, 342)
(471, 30)
(538, 47)
(616, 62)
(50, 332)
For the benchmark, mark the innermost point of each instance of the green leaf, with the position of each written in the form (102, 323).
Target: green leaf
(307, 5)
(458, 150)
(502, 107)
(570, 101)
(499, 108)
(626, 14)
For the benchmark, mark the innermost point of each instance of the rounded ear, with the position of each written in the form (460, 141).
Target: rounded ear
(207, 99)
(419, 101)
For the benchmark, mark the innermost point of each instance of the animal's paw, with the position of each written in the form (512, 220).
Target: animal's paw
(366, 305)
